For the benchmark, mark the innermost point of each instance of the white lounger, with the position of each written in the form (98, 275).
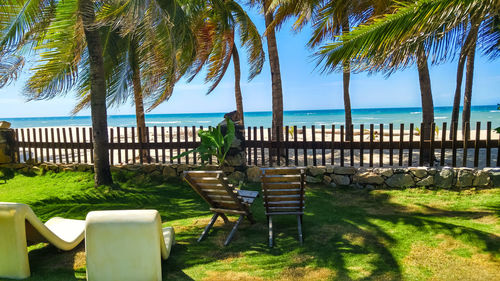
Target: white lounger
(126, 245)
(20, 227)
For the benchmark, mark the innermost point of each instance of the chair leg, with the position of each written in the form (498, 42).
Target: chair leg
(299, 222)
(233, 231)
(223, 216)
(270, 221)
(208, 227)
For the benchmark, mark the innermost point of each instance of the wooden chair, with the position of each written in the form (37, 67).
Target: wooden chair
(222, 198)
(283, 194)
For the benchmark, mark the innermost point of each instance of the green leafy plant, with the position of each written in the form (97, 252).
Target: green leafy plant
(6, 174)
(214, 143)
(498, 130)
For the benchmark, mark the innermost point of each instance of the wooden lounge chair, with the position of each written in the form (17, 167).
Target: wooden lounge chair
(283, 194)
(126, 245)
(222, 198)
(20, 227)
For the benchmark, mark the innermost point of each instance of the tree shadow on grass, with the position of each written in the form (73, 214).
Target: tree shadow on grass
(173, 201)
(347, 232)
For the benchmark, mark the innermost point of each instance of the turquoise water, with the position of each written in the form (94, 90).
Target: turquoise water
(291, 118)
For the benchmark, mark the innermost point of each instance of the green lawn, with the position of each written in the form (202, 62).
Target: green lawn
(412, 234)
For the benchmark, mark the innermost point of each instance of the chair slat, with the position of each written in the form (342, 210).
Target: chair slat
(283, 178)
(281, 171)
(281, 185)
(277, 198)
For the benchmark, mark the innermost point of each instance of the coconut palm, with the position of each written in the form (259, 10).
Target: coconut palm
(274, 63)
(215, 30)
(329, 19)
(66, 36)
(22, 20)
(138, 67)
(409, 36)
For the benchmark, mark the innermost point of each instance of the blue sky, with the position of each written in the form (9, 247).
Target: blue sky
(303, 87)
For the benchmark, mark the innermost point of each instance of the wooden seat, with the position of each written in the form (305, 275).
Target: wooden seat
(222, 198)
(283, 194)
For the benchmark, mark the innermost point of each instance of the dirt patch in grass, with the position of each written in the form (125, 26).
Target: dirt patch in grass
(79, 260)
(306, 273)
(450, 260)
(491, 219)
(230, 276)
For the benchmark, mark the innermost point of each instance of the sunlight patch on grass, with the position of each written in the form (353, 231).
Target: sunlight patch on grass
(450, 260)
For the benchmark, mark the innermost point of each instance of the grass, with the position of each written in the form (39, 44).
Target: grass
(412, 234)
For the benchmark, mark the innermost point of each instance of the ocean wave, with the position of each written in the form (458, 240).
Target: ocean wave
(204, 121)
(417, 112)
(494, 110)
(441, 117)
(366, 118)
(165, 122)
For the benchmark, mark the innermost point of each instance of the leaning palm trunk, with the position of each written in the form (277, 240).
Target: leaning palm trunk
(469, 74)
(97, 95)
(458, 90)
(274, 63)
(237, 86)
(138, 100)
(427, 103)
(346, 81)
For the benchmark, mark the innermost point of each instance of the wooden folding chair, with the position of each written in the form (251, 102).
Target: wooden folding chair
(283, 194)
(222, 198)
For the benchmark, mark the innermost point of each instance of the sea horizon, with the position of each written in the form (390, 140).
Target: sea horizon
(317, 117)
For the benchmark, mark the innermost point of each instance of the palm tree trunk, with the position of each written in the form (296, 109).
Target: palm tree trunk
(97, 95)
(346, 79)
(458, 90)
(274, 62)
(469, 74)
(138, 99)
(237, 86)
(427, 102)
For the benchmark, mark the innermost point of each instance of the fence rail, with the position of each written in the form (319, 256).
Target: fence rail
(377, 145)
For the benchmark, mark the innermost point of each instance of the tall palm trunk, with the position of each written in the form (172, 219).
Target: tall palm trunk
(237, 86)
(138, 98)
(97, 95)
(274, 62)
(458, 90)
(427, 102)
(469, 41)
(346, 79)
(469, 73)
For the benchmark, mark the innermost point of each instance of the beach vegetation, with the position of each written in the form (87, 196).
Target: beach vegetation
(141, 61)
(415, 31)
(61, 30)
(410, 234)
(214, 143)
(216, 28)
(329, 19)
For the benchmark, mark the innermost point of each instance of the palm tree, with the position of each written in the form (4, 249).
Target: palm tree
(24, 22)
(408, 36)
(67, 37)
(215, 30)
(138, 67)
(274, 63)
(329, 19)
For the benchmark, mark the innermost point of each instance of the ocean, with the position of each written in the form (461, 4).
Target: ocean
(292, 118)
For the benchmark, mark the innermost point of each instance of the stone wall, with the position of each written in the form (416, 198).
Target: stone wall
(334, 176)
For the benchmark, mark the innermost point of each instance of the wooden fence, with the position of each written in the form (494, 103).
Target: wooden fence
(372, 145)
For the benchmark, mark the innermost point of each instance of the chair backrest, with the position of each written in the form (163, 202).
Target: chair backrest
(214, 189)
(283, 190)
